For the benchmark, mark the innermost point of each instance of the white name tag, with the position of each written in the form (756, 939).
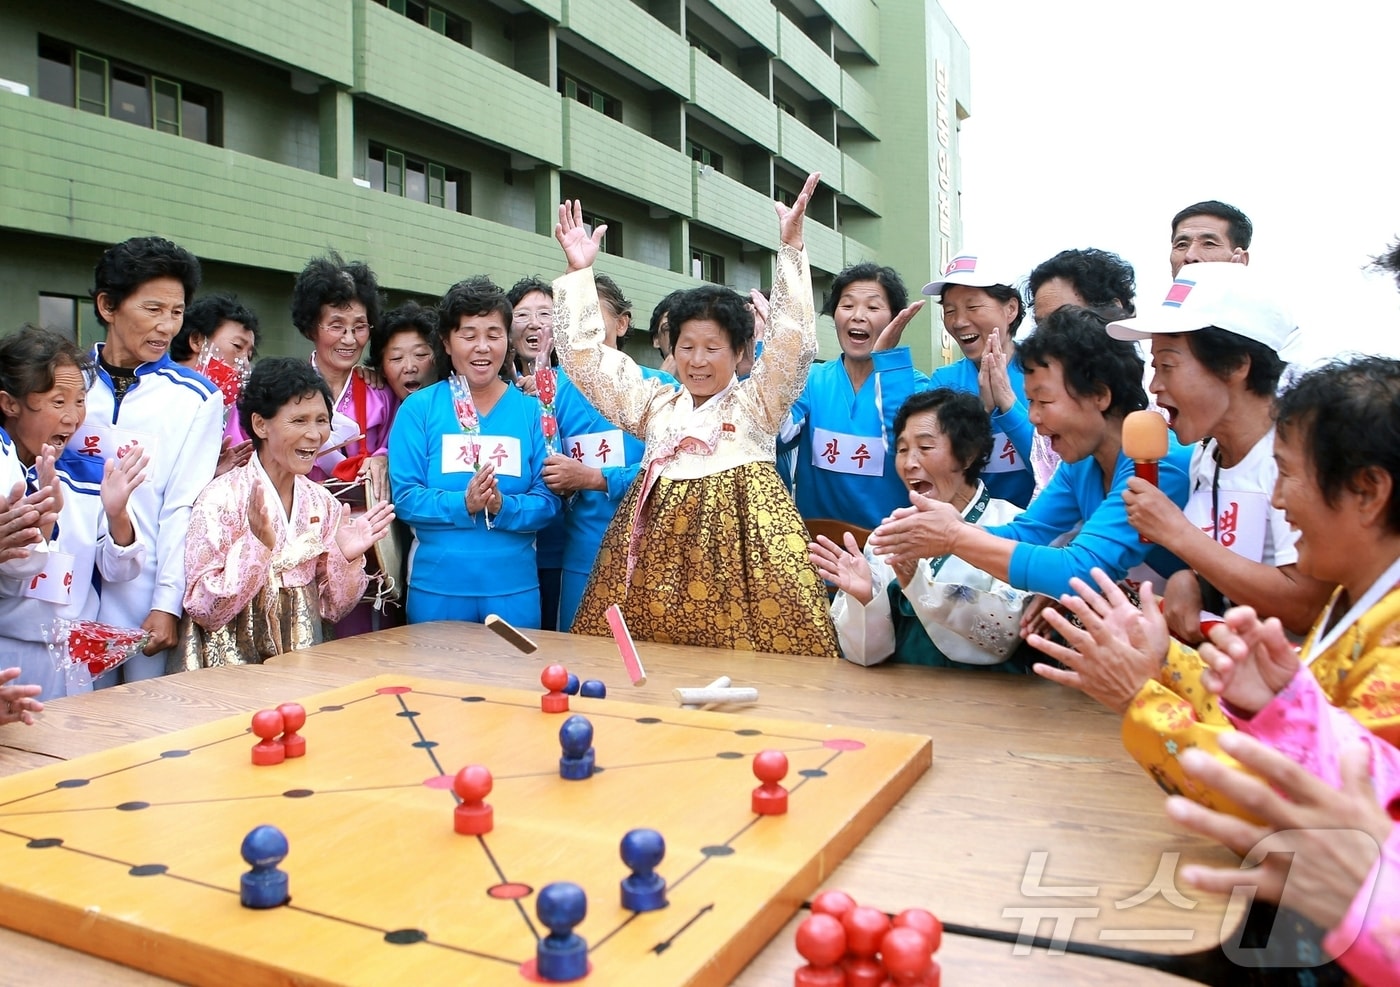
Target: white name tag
(1244, 520)
(102, 442)
(55, 583)
(838, 452)
(597, 449)
(1005, 458)
(461, 453)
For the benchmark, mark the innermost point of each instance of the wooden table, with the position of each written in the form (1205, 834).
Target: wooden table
(1028, 779)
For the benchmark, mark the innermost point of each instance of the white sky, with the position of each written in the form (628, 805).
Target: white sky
(1094, 121)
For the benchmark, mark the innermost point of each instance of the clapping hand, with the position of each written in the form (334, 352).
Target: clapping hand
(843, 567)
(993, 380)
(357, 534)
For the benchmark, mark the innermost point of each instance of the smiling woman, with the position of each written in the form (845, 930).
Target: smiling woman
(271, 554)
(466, 463)
(43, 401)
(707, 548)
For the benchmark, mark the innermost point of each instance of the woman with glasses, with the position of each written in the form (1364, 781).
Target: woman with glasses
(334, 305)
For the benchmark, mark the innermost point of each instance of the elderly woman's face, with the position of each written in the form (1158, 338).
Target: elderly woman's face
(533, 314)
(924, 458)
(292, 438)
(970, 315)
(705, 358)
(50, 418)
(477, 348)
(341, 336)
(407, 363)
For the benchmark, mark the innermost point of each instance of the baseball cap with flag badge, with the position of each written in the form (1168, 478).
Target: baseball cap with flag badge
(969, 269)
(1216, 294)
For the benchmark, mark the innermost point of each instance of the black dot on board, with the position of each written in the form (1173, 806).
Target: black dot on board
(147, 870)
(410, 713)
(71, 783)
(729, 755)
(133, 806)
(812, 773)
(717, 851)
(473, 699)
(298, 793)
(405, 937)
(44, 843)
(331, 709)
(174, 753)
(425, 744)
(648, 719)
(749, 732)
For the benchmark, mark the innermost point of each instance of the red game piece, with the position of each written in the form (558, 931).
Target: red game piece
(473, 817)
(770, 798)
(926, 922)
(554, 678)
(865, 928)
(293, 719)
(821, 940)
(833, 903)
(267, 724)
(906, 956)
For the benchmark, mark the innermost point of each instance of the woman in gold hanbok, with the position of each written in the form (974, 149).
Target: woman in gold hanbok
(707, 548)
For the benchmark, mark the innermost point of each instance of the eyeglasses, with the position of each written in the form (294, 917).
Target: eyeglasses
(524, 316)
(337, 328)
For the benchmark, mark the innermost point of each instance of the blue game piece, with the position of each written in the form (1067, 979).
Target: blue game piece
(643, 890)
(563, 954)
(593, 689)
(264, 886)
(576, 738)
(572, 686)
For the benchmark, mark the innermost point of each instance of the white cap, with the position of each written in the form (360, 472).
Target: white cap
(1219, 294)
(969, 269)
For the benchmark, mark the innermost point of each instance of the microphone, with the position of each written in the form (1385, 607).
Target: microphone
(1145, 442)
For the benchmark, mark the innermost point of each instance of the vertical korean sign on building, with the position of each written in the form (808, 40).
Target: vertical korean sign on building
(944, 237)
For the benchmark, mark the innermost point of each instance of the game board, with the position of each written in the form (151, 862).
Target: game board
(133, 854)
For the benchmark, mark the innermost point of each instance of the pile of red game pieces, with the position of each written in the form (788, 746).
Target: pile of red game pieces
(847, 945)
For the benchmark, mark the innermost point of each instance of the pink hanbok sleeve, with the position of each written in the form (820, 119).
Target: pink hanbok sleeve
(225, 565)
(1300, 723)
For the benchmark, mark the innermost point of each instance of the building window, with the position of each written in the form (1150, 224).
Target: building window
(706, 156)
(70, 317)
(434, 18)
(785, 106)
(707, 266)
(412, 177)
(705, 48)
(785, 194)
(96, 84)
(572, 88)
(612, 239)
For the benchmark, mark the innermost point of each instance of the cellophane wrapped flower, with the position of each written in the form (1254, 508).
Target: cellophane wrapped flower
(546, 387)
(85, 649)
(228, 377)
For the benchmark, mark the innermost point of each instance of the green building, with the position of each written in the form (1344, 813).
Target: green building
(435, 140)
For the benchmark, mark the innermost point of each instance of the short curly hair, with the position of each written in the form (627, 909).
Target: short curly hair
(961, 418)
(725, 306)
(1346, 416)
(1100, 277)
(477, 295)
(273, 382)
(1090, 360)
(205, 315)
(886, 277)
(411, 316)
(331, 281)
(128, 265)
